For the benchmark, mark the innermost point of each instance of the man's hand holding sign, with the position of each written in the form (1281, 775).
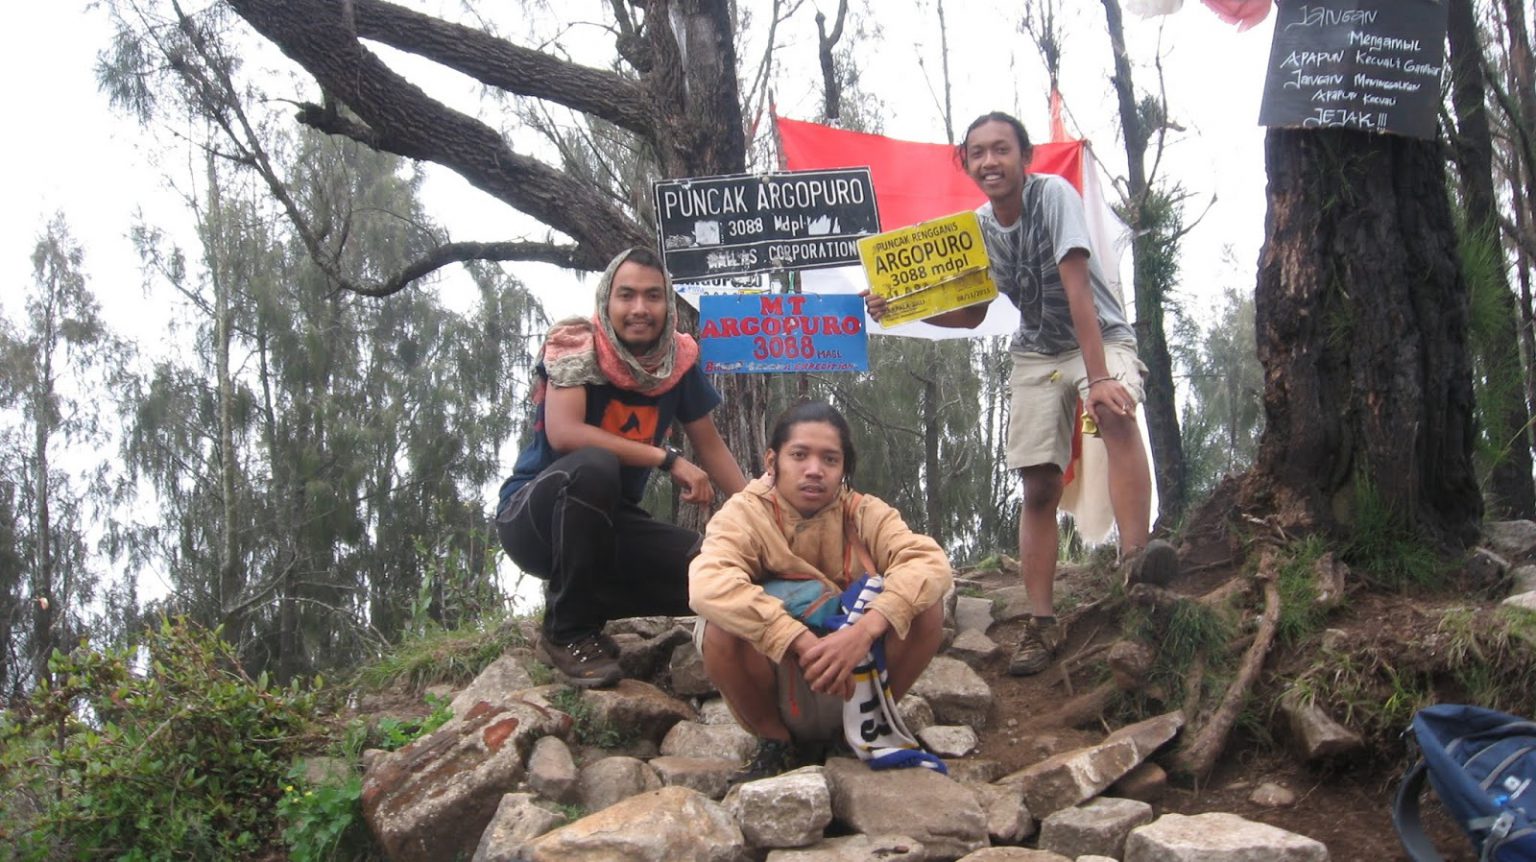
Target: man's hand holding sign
(927, 272)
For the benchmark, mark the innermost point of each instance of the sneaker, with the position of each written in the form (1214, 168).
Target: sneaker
(773, 757)
(1156, 564)
(1037, 647)
(584, 663)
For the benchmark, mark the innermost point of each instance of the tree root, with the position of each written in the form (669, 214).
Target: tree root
(1129, 663)
(1198, 755)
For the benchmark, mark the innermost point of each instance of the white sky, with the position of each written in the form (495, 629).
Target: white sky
(67, 152)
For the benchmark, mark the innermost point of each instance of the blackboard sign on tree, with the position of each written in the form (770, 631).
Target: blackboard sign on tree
(1372, 65)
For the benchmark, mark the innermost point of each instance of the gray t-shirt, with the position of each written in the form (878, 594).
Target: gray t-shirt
(1025, 259)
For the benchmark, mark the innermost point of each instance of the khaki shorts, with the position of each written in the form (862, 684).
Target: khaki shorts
(810, 717)
(1043, 395)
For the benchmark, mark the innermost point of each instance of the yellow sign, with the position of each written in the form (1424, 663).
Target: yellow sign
(968, 288)
(928, 268)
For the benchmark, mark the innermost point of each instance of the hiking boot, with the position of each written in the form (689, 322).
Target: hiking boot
(773, 757)
(584, 663)
(1156, 564)
(609, 645)
(1037, 646)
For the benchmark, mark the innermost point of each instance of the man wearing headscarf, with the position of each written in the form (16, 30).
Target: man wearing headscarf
(607, 392)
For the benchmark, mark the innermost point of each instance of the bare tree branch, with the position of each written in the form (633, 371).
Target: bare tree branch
(506, 66)
(396, 116)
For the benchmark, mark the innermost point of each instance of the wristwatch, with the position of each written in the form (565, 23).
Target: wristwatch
(670, 458)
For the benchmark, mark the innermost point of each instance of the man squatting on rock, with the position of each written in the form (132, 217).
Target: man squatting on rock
(607, 391)
(1073, 343)
(792, 522)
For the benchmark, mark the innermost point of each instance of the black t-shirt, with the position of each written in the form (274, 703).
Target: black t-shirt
(630, 415)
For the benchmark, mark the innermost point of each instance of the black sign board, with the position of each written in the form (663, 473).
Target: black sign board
(713, 227)
(1372, 65)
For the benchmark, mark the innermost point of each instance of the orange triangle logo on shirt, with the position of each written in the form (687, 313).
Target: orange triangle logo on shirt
(631, 421)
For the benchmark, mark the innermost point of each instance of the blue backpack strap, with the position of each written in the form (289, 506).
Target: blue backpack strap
(1405, 816)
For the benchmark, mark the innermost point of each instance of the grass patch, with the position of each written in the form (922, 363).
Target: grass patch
(1300, 614)
(1384, 549)
(441, 656)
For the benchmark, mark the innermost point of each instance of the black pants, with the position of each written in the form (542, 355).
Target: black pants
(601, 556)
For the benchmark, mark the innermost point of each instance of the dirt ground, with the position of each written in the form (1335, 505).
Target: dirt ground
(1348, 807)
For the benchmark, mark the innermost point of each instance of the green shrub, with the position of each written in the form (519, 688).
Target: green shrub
(322, 822)
(166, 750)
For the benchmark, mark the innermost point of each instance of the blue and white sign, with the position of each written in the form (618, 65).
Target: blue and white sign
(782, 332)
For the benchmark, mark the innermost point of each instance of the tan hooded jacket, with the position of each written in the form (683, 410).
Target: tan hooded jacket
(759, 535)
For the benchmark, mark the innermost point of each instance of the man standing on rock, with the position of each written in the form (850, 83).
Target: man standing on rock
(607, 393)
(1073, 343)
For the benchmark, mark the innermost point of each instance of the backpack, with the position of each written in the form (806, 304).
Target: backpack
(1482, 765)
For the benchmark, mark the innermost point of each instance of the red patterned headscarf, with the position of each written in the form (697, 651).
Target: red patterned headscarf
(580, 351)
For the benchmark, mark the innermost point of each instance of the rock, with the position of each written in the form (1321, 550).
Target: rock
(957, 693)
(708, 775)
(973, 648)
(856, 848)
(614, 779)
(1484, 569)
(1316, 736)
(518, 819)
(1008, 818)
(1093, 858)
(1098, 827)
(499, 682)
(719, 741)
(644, 657)
(1066, 779)
(1524, 578)
(1130, 663)
(432, 798)
(325, 770)
(715, 711)
(976, 770)
(1218, 838)
(1331, 576)
(1146, 783)
(673, 824)
(1272, 795)
(948, 740)
(1510, 539)
(643, 628)
(788, 810)
(915, 712)
(552, 770)
(1014, 854)
(1334, 640)
(973, 614)
(1524, 601)
(943, 816)
(686, 668)
(1010, 603)
(637, 708)
(370, 757)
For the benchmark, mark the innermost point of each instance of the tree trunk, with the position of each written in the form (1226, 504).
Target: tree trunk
(933, 429)
(694, 82)
(1511, 493)
(230, 582)
(1361, 314)
(44, 603)
(1162, 411)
